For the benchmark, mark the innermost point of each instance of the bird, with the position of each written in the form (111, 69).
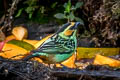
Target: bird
(59, 47)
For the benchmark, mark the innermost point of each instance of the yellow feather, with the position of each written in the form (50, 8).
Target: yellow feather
(68, 32)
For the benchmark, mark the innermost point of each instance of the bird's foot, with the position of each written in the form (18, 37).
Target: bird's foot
(52, 66)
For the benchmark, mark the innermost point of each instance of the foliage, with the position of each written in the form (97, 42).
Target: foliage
(69, 10)
(32, 6)
(36, 10)
(40, 10)
(101, 17)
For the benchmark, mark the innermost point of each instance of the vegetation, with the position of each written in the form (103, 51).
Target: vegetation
(27, 25)
(69, 10)
(101, 17)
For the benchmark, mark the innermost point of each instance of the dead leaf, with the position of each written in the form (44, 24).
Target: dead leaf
(11, 37)
(20, 32)
(103, 60)
(11, 50)
(2, 36)
(84, 52)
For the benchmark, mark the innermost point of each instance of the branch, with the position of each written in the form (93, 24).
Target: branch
(78, 73)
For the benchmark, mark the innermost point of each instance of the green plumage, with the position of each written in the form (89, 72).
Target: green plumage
(58, 47)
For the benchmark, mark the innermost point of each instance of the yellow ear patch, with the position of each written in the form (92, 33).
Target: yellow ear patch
(68, 32)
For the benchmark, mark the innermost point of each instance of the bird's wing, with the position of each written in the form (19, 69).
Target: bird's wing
(53, 47)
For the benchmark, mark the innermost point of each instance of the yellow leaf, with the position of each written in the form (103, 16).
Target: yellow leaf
(91, 52)
(22, 44)
(32, 42)
(8, 38)
(11, 50)
(41, 41)
(17, 49)
(102, 60)
(20, 32)
(70, 62)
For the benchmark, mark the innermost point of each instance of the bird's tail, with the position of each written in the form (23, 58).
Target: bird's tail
(27, 58)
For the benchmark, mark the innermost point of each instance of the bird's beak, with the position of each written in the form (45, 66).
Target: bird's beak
(76, 24)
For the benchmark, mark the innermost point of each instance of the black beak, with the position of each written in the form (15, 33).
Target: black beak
(76, 25)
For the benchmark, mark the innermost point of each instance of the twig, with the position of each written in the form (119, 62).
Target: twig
(9, 17)
(104, 73)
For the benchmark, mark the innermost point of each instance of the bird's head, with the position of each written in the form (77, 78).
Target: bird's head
(69, 29)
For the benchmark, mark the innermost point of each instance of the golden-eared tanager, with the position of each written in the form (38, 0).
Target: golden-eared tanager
(59, 47)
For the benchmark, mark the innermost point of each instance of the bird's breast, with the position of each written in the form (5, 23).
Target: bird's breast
(55, 58)
(61, 57)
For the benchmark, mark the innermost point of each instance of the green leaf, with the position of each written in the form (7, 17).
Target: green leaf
(79, 19)
(42, 9)
(19, 12)
(30, 15)
(65, 5)
(67, 8)
(73, 8)
(29, 9)
(59, 16)
(54, 4)
(78, 4)
(71, 16)
(31, 2)
(69, 3)
(22, 44)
